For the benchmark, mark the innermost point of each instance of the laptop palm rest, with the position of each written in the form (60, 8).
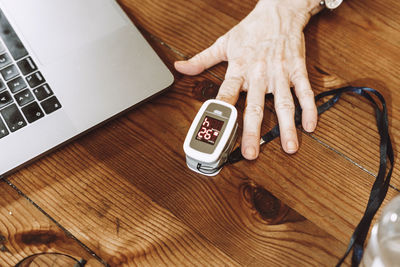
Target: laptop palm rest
(78, 23)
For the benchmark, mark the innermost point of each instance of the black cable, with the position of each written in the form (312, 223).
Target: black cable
(382, 182)
(207, 170)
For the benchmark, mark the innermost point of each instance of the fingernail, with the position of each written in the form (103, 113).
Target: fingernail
(310, 126)
(250, 152)
(291, 147)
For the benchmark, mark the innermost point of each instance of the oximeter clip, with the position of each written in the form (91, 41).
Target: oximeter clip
(211, 137)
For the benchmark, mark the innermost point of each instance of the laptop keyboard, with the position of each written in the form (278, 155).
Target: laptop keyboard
(25, 96)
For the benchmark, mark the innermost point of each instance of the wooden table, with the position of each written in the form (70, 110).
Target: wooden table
(122, 194)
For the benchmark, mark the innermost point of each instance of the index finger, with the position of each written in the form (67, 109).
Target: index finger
(230, 87)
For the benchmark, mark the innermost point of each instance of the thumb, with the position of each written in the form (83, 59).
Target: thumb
(203, 60)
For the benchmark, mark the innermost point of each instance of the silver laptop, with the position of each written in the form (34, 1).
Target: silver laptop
(65, 67)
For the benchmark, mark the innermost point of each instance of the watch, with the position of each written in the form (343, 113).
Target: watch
(332, 4)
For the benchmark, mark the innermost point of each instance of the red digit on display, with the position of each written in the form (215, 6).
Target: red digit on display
(207, 136)
(202, 131)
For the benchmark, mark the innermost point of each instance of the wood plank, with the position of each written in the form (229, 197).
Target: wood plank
(129, 179)
(364, 178)
(105, 178)
(116, 220)
(276, 171)
(25, 231)
(332, 81)
(181, 24)
(100, 172)
(363, 38)
(366, 56)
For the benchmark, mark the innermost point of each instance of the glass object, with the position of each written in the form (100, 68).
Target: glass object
(383, 249)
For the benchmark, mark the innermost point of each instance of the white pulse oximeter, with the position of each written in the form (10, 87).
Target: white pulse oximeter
(211, 137)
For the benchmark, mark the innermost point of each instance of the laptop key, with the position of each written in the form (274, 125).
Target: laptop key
(50, 105)
(27, 66)
(5, 99)
(10, 72)
(17, 84)
(2, 85)
(3, 129)
(24, 97)
(35, 79)
(2, 48)
(32, 112)
(11, 39)
(13, 118)
(43, 92)
(5, 60)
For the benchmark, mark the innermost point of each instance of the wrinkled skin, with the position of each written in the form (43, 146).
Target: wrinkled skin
(265, 54)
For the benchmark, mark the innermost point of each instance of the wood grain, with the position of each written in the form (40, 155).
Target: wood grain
(104, 182)
(356, 59)
(359, 147)
(109, 166)
(121, 224)
(24, 231)
(367, 58)
(125, 192)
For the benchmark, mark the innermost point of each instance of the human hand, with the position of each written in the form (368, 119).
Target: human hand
(265, 54)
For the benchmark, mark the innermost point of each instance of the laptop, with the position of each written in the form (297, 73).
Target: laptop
(65, 67)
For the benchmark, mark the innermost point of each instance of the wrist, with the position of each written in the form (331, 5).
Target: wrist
(317, 6)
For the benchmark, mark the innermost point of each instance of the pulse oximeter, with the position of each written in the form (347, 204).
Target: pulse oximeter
(211, 137)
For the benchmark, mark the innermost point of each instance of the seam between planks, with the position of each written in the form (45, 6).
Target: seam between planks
(68, 233)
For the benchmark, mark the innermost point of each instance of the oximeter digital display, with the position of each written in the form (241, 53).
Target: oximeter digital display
(209, 130)
(211, 137)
